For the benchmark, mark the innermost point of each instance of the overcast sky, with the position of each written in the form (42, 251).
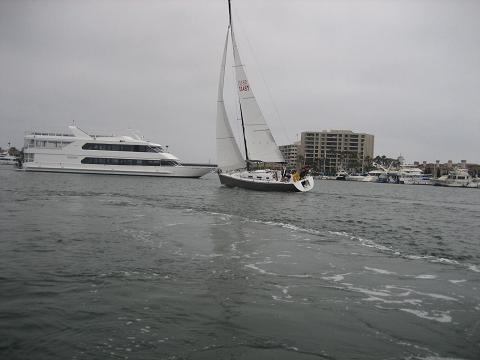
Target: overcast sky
(405, 71)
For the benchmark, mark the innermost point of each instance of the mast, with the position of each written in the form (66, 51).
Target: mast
(239, 103)
(229, 13)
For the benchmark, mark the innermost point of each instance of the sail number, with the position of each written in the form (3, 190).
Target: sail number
(243, 85)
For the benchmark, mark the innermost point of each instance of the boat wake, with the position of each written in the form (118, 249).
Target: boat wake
(359, 240)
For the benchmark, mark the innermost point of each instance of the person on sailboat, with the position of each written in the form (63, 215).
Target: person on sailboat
(296, 176)
(304, 171)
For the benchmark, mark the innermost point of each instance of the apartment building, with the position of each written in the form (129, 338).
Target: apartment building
(290, 154)
(332, 150)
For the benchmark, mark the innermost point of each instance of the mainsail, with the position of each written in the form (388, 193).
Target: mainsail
(260, 143)
(229, 156)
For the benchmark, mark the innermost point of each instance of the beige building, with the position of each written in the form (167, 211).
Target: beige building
(333, 150)
(290, 154)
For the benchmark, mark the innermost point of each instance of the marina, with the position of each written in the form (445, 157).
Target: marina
(411, 175)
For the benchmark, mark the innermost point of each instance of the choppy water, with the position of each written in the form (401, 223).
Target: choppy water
(99, 267)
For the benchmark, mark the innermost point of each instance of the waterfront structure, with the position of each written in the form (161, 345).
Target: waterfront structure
(80, 152)
(290, 154)
(334, 150)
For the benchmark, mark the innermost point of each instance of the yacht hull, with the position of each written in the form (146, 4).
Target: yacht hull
(302, 185)
(175, 171)
(471, 184)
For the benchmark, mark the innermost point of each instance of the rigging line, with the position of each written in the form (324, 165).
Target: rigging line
(277, 113)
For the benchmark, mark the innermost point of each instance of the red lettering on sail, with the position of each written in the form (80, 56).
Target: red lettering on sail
(243, 85)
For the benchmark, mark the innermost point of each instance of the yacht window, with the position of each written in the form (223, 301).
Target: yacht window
(122, 147)
(169, 163)
(51, 144)
(130, 162)
(29, 143)
(157, 149)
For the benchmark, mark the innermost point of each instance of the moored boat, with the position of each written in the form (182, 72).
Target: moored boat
(341, 175)
(412, 175)
(7, 160)
(356, 177)
(457, 178)
(374, 176)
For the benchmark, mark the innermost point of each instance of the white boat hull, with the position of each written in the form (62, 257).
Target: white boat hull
(414, 181)
(163, 171)
(370, 178)
(458, 184)
(355, 178)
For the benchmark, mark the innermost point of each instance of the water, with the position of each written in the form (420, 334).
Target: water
(99, 267)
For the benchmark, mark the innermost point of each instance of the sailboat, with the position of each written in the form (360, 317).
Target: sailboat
(260, 148)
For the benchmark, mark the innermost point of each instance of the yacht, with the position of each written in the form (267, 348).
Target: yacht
(8, 160)
(341, 175)
(457, 178)
(412, 175)
(79, 152)
(356, 177)
(374, 176)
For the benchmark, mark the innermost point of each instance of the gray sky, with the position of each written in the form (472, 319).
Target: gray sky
(406, 71)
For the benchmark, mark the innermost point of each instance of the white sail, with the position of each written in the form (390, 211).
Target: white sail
(260, 143)
(229, 156)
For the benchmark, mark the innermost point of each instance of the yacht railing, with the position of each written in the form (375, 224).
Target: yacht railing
(46, 134)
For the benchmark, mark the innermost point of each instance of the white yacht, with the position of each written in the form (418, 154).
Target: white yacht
(341, 175)
(412, 175)
(8, 160)
(457, 178)
(374, 176)
(356, 177)
(80, 152)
